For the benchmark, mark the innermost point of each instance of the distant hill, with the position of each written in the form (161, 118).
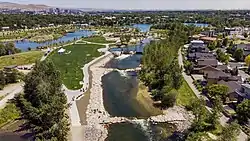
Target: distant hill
(33, 7)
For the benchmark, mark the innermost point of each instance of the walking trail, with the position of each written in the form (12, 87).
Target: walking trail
(9, 93)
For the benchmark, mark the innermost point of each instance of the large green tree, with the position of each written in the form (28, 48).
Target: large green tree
(43, 103)
(243, 111)
(230, 132)
(218, 91)
(238, 54)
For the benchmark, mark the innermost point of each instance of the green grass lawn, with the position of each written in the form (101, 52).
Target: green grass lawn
(70, 64)
(20, 58)
(97, 39)
(9, 113)
(185, 95)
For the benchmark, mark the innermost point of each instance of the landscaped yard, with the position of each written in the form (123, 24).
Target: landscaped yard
(20, 58)
(97, 39)
(185, 95)
(71, 62)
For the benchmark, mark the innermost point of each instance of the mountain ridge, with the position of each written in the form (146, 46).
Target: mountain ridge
(35, 7)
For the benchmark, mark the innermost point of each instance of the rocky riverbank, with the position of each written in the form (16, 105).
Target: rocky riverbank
(96, 113)
(97, 117)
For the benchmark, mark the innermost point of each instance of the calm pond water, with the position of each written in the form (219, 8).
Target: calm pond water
(23, 45)
(197, 24)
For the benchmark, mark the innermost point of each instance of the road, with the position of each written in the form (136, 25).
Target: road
(223, 119)
(11, 90)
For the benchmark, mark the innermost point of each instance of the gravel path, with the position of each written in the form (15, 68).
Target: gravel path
(11, 91)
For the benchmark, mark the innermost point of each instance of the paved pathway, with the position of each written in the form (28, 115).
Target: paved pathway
(223, 119)
(73, 95)
(11, 90)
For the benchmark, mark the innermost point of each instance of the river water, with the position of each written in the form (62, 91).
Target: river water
(119, 93)
(25, 44)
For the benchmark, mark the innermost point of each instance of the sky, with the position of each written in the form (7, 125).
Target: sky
(143, 4)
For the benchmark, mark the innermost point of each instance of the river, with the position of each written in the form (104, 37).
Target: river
(119, 92)
(25, 44)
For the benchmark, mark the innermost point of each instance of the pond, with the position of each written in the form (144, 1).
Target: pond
(25, 44)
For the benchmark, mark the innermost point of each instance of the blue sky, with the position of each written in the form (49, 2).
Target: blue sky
(143, 4)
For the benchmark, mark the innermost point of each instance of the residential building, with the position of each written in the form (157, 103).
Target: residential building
(244, 47)
(232, 86)
(243, 92)
(206, 62)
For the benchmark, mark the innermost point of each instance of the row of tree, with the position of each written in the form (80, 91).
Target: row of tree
(43, 104)
(160, 69)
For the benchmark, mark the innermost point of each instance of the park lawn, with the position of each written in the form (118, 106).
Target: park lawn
(20, 58)
(70, 65)
(186, 95)
(97, 39)
(9, 113)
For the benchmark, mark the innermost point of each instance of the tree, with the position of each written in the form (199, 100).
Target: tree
(230, 132)
(188, 67)
(243, 111)
(222, 57)
(218, 44)
(238, 54)
(217, 91)
(169, 99)
(2, 79)
(197, 136)
(225, 42)
(245, 35)
(2, 50)
(247, 60)
(43, 103)
(213, 45)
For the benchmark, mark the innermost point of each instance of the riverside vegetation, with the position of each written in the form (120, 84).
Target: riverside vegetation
(43, 104)
(160, 69)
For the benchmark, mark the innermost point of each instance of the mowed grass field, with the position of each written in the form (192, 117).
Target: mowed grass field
(186, 95)
(71, 64)
(20, 58)
(97, 39)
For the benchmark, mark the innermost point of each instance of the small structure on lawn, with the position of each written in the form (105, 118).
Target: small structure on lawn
(61, 51)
